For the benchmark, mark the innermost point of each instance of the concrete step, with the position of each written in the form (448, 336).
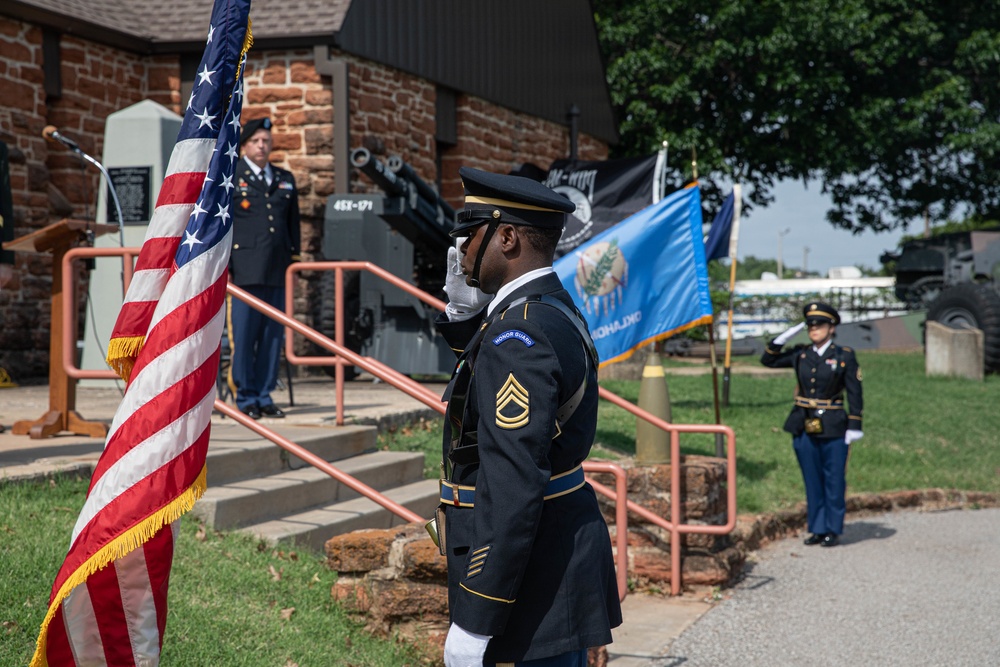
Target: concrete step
(237, 453)
(314, 527)
(250, 501)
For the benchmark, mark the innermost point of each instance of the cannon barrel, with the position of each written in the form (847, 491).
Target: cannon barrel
(397, 166)
(383, 177)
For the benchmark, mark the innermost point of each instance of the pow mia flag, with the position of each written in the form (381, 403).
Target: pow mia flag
(605, 193)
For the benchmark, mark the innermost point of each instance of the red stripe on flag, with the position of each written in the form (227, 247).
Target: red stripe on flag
(132, 505)
(181, 188)
(109, 612)
(133, 319)
(158, 253)
(181, 322)
(159, 553)
(158, 413)
(57, 650)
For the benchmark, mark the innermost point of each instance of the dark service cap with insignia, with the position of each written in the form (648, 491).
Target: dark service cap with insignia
(515, 200)
(252, 126)
(821, 313)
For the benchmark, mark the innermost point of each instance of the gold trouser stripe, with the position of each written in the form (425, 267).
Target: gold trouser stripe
(488, 597)
(232, 345)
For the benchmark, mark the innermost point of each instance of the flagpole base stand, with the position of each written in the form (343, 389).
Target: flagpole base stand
(55, 421)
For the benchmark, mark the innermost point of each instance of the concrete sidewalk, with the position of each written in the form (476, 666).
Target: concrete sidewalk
(651, 622)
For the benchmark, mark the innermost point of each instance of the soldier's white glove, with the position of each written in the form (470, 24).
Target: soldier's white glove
(852, 435)
(788, 335)
(463, 648)
(463, 301)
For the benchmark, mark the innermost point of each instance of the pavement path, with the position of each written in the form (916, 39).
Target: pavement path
(905, 588)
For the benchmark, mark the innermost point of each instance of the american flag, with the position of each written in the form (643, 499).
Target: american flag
(109, 601)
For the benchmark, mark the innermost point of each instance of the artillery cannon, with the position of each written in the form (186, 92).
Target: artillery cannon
(405, 231)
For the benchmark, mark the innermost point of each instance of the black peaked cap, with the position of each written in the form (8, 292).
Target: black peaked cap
(517, 200)
(817, 311)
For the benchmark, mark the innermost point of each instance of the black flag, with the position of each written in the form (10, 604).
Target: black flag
(605, 193)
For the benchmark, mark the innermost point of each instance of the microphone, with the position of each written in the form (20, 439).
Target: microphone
(52, 134)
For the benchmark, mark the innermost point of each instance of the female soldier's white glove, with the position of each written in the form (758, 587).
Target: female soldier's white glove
(788, 335)
(463, 301)
(463, 648)
(853, 435)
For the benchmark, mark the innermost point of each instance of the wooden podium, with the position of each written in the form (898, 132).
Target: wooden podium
(58, 238)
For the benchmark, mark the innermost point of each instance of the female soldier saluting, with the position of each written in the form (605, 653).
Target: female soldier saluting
(822, 427)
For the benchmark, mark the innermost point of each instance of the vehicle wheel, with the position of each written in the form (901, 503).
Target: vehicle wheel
(327, 320)
(972, 305)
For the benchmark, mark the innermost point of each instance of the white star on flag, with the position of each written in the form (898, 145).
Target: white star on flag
(223, 213)
(211, 31)
(198, 210)
(205, 75)
(190, 240)
(235, 122)
(204, 119)
(227, 183)
(232, 153)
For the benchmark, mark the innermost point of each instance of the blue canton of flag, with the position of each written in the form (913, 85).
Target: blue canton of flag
(213, 114)
(644, 279)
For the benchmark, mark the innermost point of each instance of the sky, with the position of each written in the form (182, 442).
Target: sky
(802, 212)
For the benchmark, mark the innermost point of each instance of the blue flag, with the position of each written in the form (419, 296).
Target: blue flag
(717, 243)
(644, 279)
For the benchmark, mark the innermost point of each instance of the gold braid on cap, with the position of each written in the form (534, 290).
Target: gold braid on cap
(490, 201)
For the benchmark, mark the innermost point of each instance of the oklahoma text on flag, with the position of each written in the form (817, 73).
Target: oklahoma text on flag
(644, 279)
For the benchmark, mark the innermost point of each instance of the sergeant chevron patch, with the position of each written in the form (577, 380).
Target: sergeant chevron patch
(512, 404)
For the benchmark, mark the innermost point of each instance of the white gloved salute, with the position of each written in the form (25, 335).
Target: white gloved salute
(463, 301)
(853, 435)
(463, 648)
(789, 334)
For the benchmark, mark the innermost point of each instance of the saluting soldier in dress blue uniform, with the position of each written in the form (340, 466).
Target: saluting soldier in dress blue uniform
(822, 426)
(265, 241)
(531, 577)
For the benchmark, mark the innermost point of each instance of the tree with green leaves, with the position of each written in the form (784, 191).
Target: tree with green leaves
(894, 105)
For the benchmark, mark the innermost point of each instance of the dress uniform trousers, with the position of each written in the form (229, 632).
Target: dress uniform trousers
(256, 375)
(823, 462)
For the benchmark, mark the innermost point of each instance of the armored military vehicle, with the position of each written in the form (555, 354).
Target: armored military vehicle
(956, 277)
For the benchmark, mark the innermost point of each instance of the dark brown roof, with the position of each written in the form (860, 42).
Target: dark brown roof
(536, 56)
(170, 25)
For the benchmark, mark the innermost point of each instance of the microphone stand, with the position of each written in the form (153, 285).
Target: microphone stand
(111, 186)
(114, 196)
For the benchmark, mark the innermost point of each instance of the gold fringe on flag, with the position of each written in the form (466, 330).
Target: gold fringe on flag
(117, 548)
(122, 353)
(6, 382)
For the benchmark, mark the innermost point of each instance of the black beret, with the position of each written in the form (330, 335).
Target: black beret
(516, 200)
(822, 313)
(252, 126)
